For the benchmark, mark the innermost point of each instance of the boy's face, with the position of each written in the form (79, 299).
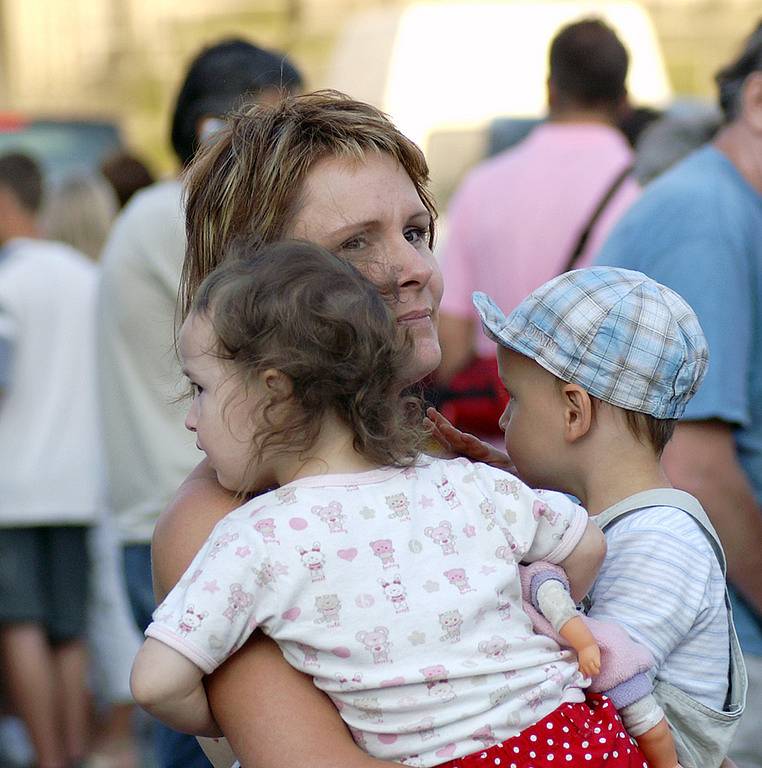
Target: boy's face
(221, 412)
(533, 419)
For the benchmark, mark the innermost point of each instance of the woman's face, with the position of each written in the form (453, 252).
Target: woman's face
(370, 214)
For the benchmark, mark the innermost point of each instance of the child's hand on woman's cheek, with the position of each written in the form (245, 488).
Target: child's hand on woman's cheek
(465, 444)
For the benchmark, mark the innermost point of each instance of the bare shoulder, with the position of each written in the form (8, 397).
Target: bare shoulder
(199, 504)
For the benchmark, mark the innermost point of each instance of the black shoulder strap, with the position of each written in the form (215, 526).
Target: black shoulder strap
(592, 221)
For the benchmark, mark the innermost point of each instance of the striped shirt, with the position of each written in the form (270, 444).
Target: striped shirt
(661, 581)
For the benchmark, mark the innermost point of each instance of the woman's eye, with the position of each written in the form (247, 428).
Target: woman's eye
(354, 243)
(415, 234)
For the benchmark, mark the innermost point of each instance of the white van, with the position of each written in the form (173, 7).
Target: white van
(444, 71)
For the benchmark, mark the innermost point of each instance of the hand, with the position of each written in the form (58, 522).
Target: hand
(464, 444)
(590, 660)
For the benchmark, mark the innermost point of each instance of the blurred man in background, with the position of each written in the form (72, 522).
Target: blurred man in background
(545, 205)
(698, 229)
(148, 450)
(49, 470)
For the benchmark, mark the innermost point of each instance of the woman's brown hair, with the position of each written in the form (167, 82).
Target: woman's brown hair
(299, 309)
(247, 182)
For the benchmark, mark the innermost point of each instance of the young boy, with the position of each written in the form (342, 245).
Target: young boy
(599, 364)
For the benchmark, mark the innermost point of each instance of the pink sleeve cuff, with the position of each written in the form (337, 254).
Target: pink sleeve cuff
(192, 652)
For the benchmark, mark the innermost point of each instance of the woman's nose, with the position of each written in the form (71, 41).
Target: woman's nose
(413, 267)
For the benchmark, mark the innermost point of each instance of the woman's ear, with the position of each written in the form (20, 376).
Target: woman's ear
(578, 412)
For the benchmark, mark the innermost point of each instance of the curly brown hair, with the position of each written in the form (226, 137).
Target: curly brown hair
(299, 309)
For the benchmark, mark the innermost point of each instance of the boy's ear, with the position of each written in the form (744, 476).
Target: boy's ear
(277, 384)
(578, 412)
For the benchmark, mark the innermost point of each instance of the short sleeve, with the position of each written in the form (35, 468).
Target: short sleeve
(228, 590)
(659, 604)
(538, 525)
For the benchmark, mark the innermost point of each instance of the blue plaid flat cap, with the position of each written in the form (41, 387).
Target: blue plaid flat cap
(620, 335)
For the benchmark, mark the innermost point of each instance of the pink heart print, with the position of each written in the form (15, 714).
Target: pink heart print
(446, 751)
(291, 614)
(348, 554)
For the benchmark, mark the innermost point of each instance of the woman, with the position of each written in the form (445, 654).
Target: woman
(324, 168)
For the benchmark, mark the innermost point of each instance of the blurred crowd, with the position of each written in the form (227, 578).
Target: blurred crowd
(92, 439)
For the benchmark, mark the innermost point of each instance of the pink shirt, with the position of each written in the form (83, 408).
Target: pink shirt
(516, 218)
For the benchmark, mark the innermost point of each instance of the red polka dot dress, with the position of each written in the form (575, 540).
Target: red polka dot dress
(588, 734)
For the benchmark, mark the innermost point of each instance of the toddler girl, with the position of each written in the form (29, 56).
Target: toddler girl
(390, 577)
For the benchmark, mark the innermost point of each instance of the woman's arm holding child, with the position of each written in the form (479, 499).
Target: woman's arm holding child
(169, 686)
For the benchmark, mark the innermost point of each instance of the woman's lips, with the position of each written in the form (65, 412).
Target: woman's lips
(415, 317)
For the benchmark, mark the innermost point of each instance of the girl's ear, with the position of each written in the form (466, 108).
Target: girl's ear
(277, 384)
(578, 412)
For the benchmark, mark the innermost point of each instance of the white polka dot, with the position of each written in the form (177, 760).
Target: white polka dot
(585, 744)
(605, 704)
(532, 754)
(483, 755)
(550, 742)
(615, 753)
(610, 726)
(566, 745)
(569, 757)
(588, 756)
(497, 761)
(549, 726)
(621, 734)
(550, 757)
(533, 738)
(602, 740)
(565, 729)
(596, 730)
(516, 749)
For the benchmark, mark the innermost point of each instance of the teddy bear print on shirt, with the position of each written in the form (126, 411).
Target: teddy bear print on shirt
(508, 487)
(451, 621)
(495, 648)
(332, 515)
(238, 601)
(269, 572)
(487, 508)
(377, 643)
(313, 560)
(457, 577)
(399, 505)
(442, 534)
(329, 607)
(266, 528)
(383, 549)
(286, 495)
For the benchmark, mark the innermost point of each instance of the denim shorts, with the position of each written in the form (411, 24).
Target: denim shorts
(44, 574)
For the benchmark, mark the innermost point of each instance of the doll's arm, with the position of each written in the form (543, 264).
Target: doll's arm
(554, 602)
(579, 637)
(645, 722)
(169, 686)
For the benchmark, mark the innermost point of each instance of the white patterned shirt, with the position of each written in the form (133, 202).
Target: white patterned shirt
(398, 591)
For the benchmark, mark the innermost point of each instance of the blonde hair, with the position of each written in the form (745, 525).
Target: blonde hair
(79, 212)
(248, 180)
